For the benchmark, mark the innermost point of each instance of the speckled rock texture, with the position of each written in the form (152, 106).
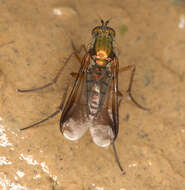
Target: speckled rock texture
(35, 40)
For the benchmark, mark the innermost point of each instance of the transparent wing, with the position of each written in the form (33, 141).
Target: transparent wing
(105, 126)
(73, 122)
(101, 129)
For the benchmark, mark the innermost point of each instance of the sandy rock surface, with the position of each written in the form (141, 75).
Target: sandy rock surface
(35, 40)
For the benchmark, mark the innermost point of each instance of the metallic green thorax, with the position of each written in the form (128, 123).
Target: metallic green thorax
(103, 42)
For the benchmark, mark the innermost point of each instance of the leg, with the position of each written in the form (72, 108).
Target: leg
(59, 72)
(73, 74)
(78, 51)
(43, 120)
(132, 68)
(50, 116)
(117, 158)
(121, 97)
(50, 83)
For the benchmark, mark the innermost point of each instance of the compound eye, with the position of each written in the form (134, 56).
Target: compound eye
(95, 31)
(112, 33)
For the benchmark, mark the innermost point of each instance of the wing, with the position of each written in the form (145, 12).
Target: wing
(106, 125)
(73, 121)
(115, 104)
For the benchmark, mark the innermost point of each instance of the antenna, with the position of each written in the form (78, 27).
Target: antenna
(107, 22)
(102, 22)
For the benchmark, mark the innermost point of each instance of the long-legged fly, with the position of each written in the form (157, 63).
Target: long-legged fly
(93, 102)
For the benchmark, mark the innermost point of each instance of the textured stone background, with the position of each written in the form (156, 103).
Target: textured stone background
(35, 39)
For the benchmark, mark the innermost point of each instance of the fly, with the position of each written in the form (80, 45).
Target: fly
(93, 102)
